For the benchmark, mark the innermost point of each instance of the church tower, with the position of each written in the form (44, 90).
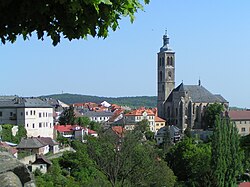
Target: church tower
(166, 74)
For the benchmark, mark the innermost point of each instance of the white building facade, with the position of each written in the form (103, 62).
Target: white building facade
(33, 113)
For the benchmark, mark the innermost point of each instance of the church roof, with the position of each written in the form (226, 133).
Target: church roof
(198, 94)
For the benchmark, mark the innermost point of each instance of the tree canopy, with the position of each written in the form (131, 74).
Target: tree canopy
(211, 112)
(67, 116)
(75, 19)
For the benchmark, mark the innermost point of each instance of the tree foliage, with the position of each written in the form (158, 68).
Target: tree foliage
(226, 153)
(74, 19)
(212, 111)
(190, 162)
(67, 116)
(129, 162)
(8, 136)
(83, 121)
(133, 102)
(109, 160)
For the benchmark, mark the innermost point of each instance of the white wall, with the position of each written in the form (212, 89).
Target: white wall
(39, 122)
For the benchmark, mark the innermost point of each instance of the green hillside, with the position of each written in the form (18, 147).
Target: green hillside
(134, 102)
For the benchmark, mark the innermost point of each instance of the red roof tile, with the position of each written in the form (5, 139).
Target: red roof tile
(119, 130)
(239, 114)
(158, 119)
(91, 131)
(63, 128)
(244, 184)
(139, 112)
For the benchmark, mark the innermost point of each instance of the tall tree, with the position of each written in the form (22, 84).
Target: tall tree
(67, 116)
(226, 153)
(83, 121)
(190, 162)
(74, 19)
(211, 112)
(128, 162)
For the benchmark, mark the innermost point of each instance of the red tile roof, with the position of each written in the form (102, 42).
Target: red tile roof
(239, 114)
(119, 130)
(63, 128)
(139, 112)
(91, 131)
(158, 119)
(244, 184)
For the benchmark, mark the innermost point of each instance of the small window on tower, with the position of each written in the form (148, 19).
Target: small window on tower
(162, 61)
(163, 88)
(160, 75)
(169, 75)
(168, 61)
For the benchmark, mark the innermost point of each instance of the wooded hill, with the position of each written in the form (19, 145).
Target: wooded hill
(133, 102)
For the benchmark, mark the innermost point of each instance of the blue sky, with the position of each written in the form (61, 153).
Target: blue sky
(211, 40)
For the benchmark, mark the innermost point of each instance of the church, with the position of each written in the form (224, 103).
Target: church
(183, 106)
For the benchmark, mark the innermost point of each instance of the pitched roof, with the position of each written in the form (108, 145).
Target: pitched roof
(158, 119)
(21, 102)
(40, 159)
(63, 128)
(119, 130)
(30, 143)
(48, 141)
(10, 149)
(239, 114)
(91, 131)
(198, 94)
(139, 112)
(98, 114)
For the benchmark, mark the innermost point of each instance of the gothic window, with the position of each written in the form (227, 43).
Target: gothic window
(160, 75)
(169, 74)
(168, 61)
(162, 61)
(171, 61)
(163, 88)
(176, 111)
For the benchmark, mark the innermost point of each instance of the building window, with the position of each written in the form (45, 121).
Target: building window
(245, 122)
(240, 122)
(243, 129)
(40, 114)
(46, 114)
(27, 113)
(40, 125)
(161, 76)
(46, 124)
(33, 125)
(31, 112)
(27, 125)
(1, 113)
(21, 113)
(34, 112)
(11, 113)
(43, 114)
(50, 125)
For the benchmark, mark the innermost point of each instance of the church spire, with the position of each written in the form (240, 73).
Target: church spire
(165, 46)
(165, 38)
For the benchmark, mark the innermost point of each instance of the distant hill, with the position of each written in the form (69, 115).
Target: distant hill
(133, 102)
